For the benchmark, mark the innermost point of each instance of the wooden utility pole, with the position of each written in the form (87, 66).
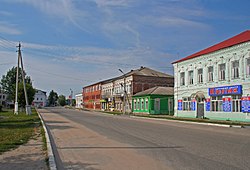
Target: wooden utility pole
(28, 109)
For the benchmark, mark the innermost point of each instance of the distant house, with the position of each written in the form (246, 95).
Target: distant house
(156, 100)
(3, 98)
(79, 99)
(40, 99)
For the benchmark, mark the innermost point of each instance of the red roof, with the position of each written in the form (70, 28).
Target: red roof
(240, 38)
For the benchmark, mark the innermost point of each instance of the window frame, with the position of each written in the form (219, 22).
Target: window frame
(210, 74)
(235, 69)
(222, 72)
(200, 75)
(191, 77)
(182, 78)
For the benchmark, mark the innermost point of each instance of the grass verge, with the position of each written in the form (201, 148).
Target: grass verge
(16, 130)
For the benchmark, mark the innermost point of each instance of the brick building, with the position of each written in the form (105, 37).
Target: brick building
(91, 96)
(134, 81)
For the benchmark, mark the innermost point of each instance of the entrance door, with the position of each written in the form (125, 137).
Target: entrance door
(200, 110)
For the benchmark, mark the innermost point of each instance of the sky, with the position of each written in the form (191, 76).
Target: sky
(69, 44)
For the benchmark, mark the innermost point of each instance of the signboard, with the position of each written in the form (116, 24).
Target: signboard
(245, 104)
(225, 90)
(227, 104)
(193, 104)
(208, 105)
(179, 104)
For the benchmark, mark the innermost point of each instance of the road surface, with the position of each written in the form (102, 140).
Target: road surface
(92, 140)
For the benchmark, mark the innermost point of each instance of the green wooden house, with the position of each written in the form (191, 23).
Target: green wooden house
(156, 100)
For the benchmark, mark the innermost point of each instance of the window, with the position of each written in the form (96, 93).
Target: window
(235, 69)
(200, 75)
(138, 104)
(186, 103)
(142, 104)
(146, 104)
(222, 71)
(216, 104)
(182, 80)
(236, 103)
(210, 73)
(191, 77)
(248, 66)
(134, 104)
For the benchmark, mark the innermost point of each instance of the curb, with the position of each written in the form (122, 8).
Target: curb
(52, 163)
(199, 123)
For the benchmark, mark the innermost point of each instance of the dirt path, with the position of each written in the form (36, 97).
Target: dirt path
(29, 156)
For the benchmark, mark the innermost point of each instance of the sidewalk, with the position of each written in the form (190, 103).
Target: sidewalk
(29, 156)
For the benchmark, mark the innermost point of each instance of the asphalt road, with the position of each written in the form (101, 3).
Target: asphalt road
(143, 143)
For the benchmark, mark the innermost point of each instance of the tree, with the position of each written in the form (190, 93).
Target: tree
(8, 82)
(53, 97)
(62, 100)
(21, 97)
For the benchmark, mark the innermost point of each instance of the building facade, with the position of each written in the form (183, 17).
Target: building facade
(79, 101)
(215, 82)
(91, 96)
(156, 100)
(117, 92)
(40, 99)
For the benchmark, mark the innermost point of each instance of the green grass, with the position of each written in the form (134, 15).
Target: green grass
(16, 130)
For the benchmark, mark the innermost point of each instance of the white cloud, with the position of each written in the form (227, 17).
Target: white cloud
(105, 3)
(9, 29)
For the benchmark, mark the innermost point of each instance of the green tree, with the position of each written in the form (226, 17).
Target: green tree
(8, 82)
(53, 97)
(21, 97)
(62, 100)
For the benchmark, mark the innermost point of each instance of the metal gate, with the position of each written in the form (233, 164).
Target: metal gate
(200, 110)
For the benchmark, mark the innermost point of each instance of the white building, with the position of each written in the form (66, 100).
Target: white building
(215, 82)
(40, 99)
(79, 100)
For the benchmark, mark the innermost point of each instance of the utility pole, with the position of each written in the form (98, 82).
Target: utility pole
(17, 75)
(28, 109)
(71, 97)
(124, 89)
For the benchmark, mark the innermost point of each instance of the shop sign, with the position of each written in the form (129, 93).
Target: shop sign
(227, 104)
(208, 105)
(193, 104)
(245, 104)
(179, 104)
(225, 90)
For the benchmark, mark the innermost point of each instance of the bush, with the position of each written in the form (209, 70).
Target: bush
(1, 107)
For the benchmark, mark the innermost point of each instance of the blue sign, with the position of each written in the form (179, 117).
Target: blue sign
(224, 90)
(193, 105)
(245, 104)
(179, 104)
(208, 105)
(227, 104)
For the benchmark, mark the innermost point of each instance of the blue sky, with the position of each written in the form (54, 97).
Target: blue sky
(68, 44)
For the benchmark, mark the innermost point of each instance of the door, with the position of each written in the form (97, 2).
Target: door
(200, 110)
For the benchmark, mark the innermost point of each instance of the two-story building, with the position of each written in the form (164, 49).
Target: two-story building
(40, 99)
(215, 82)
(91, 96)
(117, 92)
